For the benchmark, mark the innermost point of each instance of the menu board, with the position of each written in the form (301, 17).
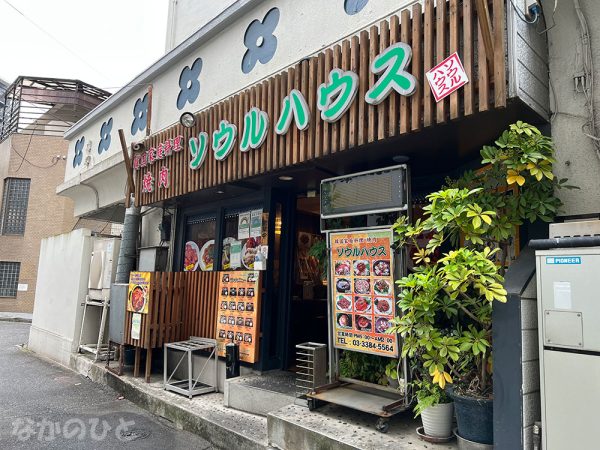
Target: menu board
(362, 291)
(139, 292)
(239, 313)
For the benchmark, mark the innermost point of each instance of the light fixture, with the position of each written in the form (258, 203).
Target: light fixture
(401, 159)
(187, 119)
(286, 178)
(220, 191)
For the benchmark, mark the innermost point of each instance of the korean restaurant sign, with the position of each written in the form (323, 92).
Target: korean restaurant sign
(238, 318)
(362, 291)
(139, 292)
(334, 98)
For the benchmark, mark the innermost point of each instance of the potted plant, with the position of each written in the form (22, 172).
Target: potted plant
(391, 372)
(447, 303)
(435, 408)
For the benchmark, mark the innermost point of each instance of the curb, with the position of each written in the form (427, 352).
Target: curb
(15, 319)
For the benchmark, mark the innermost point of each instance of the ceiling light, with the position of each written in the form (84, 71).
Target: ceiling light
(187, 119)
(220, 191)
(286, 178)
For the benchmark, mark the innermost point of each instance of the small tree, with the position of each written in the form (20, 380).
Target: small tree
(446, 324)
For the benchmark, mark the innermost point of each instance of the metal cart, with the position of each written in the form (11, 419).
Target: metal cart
(191, 386)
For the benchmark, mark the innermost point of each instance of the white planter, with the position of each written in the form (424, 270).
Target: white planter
(437, 420)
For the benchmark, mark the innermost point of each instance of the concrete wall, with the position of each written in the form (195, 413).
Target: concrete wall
(575, 154)
(47, 213)
(60, 290)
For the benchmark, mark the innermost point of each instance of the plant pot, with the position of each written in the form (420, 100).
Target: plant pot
(474, 418)
(464, 444)
(437, 420)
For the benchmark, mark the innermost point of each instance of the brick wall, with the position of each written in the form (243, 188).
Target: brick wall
(47, 213)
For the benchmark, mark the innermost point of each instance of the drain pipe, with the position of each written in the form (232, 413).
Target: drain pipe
(128, 250)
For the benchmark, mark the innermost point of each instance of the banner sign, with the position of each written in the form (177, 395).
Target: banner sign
(362, 291)
(139, 292)
(447, 77)
(239, 313)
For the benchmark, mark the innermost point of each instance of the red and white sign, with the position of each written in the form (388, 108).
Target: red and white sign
(154, 154)
(447, 77)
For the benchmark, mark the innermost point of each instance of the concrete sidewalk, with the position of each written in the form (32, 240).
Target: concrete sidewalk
(15, 317)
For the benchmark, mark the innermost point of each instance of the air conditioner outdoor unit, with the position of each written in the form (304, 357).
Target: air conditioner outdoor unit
(103, 267)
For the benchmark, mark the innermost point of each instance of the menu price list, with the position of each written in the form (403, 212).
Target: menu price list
(238, 312)
(363, 291)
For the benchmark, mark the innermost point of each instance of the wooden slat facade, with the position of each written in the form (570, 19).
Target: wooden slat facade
(433, 32)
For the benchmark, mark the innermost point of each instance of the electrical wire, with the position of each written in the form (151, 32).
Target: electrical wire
(55, 39)
(25, 154)
(55, 160)
(522, 16)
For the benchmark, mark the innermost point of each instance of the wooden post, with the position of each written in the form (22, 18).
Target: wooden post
(148, 364)
(149, 112)
(128, 168)
(485, 23)
(136, 363)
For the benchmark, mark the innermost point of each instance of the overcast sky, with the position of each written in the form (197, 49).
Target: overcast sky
(108, 42)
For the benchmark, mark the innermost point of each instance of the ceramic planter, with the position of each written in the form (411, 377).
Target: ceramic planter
(474, 418)
(437, 420)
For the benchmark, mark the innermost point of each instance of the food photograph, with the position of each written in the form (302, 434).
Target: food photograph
(361, 268)
(363, 323)
(382, 287)
(344, 302)
(342, 285)
(362, 304)
(344, 320)
(362, 286)
(383, 306)
(342, 267)
(382, 324)
(381, 268)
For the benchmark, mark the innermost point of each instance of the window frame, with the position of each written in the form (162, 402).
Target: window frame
(12, 204)
(16, 284)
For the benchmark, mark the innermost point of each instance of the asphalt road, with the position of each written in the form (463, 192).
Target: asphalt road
(43, 405)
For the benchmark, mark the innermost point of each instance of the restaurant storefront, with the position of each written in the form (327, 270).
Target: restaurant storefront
(424, 87)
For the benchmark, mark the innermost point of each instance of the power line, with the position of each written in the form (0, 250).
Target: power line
(55, 39)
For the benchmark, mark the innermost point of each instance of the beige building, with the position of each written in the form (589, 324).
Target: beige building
(33, 156)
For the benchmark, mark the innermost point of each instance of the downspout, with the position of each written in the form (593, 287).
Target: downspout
(128, 250)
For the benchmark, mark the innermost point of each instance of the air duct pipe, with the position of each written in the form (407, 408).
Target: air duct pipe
(128, 251)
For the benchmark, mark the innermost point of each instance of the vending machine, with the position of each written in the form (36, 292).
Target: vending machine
(568, 286)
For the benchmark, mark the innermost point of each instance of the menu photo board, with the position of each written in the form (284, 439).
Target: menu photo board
(362, 291)
(138, 296)
(239, 313)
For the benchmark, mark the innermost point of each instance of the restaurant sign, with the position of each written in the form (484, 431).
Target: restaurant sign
(139, 292)
(239, 313)
(333, 99)
(362, 291)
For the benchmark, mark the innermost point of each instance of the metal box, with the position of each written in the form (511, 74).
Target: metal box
(568, 283)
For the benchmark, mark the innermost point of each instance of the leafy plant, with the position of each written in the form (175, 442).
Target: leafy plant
(362, 366)
(428, 394)
(447, 304)
(391, 369)
(319, 251)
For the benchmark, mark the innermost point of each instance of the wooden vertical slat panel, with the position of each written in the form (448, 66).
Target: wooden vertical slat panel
(405, 36)
(264, 106)
(440, 51)
(499, 53)
(382, 108)
(393, 101)
(428, 42)
(230, 113)
(270, 101)
(454, 35)
(372, 110)
(335, 127)
(417, 66)
(251, 154)
(483, 77)
(468, 56)
(364, 75)
(344, 121)
(303, 156)
(310, 97)
(276, 112)
(283, 140)
(318, 123)
(326, 126)
(354, 117)
(296, 84)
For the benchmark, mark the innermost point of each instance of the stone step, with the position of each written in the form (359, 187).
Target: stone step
(260, 394)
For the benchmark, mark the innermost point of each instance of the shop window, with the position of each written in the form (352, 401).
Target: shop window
(14, 206)
(9, 278)
(242, 238)
(199, 252)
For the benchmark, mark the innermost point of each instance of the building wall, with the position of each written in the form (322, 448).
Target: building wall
(575, 153)
(47, 213)
(187, 16)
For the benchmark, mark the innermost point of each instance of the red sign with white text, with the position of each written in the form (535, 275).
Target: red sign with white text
(447, 77)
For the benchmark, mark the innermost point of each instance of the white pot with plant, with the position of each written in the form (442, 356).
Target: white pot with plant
(435, 408)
